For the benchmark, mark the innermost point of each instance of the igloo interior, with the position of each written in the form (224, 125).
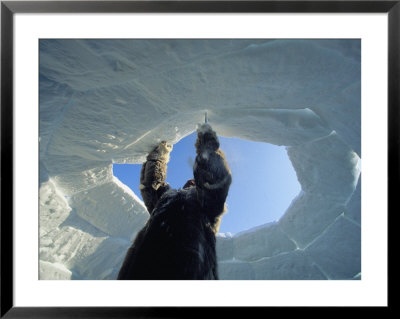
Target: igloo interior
(110, 101)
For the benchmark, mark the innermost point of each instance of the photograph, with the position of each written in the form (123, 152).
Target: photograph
(233, 159)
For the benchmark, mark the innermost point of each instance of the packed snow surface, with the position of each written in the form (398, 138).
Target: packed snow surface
(111, 101)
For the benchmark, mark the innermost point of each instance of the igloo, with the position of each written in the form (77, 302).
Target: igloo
(110, 101)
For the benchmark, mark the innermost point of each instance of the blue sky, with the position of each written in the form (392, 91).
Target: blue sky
(264, 181)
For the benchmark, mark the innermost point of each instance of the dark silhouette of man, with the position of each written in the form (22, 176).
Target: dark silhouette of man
(178, 241)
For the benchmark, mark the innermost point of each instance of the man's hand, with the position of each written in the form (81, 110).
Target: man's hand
(161, 152)
(207, 139)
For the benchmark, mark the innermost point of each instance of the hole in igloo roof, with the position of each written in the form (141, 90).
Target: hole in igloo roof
(264, 181)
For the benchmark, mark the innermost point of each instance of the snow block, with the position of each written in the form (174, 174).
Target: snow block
(294, 265)
(327, 167)
(85, 251)
(105, 261)
(342, 111)
(67, 164)
(49, 271)
(112, 208)
(224, 248)
(338, 250)
(53, 208)
(264, 242)
(230, 270)
(353, 208)
(75, 182)
(308, 216)
(55, 98)
(64, 244)
(279, 126)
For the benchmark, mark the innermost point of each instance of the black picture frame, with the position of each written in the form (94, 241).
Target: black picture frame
(9, 8)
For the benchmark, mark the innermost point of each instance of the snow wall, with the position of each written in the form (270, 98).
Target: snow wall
(111, 101)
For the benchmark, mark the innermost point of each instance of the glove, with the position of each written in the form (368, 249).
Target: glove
(207, 140)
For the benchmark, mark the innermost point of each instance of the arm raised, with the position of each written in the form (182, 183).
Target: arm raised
(153, 175)
(211, 173)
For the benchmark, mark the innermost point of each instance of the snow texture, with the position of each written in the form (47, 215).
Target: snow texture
(111, 101)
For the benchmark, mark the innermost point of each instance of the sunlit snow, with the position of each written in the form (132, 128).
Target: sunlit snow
(111, 101)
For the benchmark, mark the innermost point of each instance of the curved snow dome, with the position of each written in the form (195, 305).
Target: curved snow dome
(111, 101)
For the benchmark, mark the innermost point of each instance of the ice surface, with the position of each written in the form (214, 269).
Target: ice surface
(111, 101)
